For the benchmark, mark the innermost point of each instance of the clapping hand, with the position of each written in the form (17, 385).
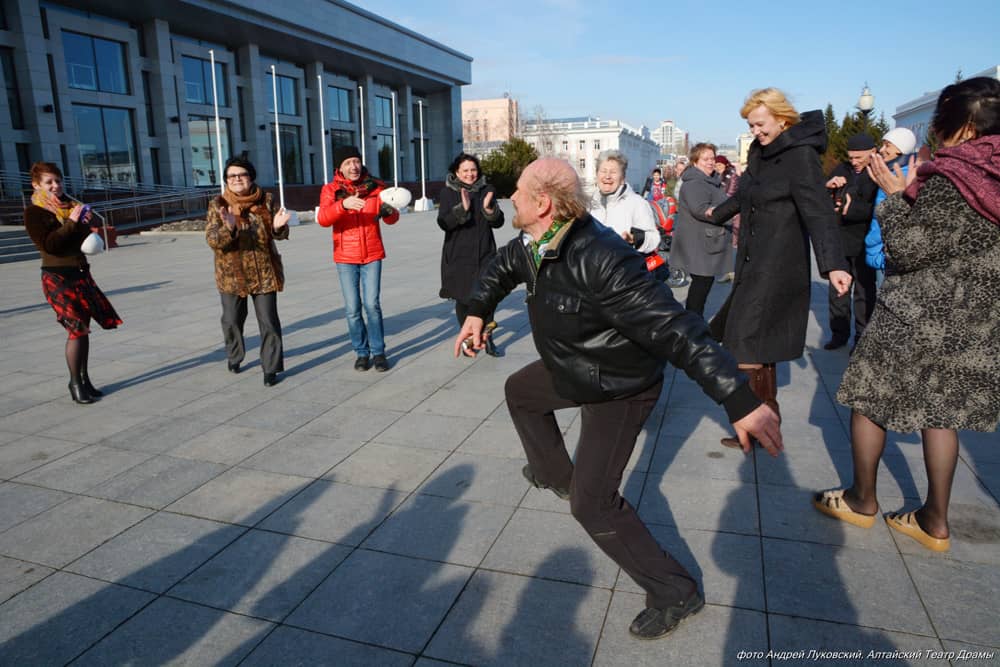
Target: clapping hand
(487, 203)
(892, 181)
(466, 201)
(281, 219)
(354, 203)
(228, 218)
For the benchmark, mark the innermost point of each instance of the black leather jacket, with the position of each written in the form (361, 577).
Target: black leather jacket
(603, 327)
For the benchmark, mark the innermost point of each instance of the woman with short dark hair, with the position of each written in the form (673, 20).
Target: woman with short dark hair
(700, 245)
(58, 227)
(468, 213)
(930, 357)
(242, 227)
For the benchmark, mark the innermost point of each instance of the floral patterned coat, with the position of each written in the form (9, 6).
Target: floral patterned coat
(246, 260)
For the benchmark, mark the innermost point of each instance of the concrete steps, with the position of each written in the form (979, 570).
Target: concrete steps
(16, 245)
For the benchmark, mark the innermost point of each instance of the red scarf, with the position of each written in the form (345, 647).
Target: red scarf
(974, 168)
(362, 187)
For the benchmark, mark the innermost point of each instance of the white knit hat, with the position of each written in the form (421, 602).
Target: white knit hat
(902, 138)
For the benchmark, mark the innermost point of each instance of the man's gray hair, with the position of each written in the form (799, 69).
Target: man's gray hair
(613, 154)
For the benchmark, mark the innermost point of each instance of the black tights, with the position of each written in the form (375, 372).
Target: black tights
(940, 460)
(77, 351)
(698, 293)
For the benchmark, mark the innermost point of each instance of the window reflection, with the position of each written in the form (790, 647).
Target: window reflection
(198, 81)
(291, 154)
(95, 64)
(204, 161)
(107, 143)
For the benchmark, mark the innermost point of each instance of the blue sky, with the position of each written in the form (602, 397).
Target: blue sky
(694, 62)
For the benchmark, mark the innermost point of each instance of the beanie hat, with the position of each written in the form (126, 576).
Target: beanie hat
(341, 153)
(860, 142)
(722, 159)
(902, 138)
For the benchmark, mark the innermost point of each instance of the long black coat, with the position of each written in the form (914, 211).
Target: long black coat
(468, 236)
(782, 204)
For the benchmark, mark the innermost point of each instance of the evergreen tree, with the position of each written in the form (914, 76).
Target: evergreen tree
(503, 166)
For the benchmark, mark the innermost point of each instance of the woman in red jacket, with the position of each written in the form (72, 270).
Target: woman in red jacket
(351, 205)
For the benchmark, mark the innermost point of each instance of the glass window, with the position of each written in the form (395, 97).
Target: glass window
(565, 145)
(198, 81)
(383, 145)
(583, 144)
(147, 94)
(583, 164)
(23, 156)
(338, 104)
(107, 143)
(597, 144)
(287, 96)
(10, 82)
(291, 154)
(95, 64)
(204, 161)
(383, 111)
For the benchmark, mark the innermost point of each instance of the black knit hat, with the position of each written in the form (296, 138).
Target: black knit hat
(860, 142)
(341, 153)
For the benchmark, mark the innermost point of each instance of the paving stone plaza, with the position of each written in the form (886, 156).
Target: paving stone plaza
(195, 517)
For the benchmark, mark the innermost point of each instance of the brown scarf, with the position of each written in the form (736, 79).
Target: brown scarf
(59, 208)
(240, 205)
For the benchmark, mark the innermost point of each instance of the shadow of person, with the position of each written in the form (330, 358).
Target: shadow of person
(412, 565)
(87, 625)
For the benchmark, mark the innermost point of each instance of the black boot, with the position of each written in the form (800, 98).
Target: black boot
(88, 385)
(79, 392)
(490, 347)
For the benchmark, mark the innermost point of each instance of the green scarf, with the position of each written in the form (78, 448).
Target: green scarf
(538, 247)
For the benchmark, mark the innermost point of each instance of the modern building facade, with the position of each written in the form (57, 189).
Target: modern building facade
(916, 114)
(671, 139)
(487, 124)
(581, 140)
(119, 90)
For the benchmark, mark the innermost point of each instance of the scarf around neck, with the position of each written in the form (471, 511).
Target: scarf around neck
(59, 208)
(457, 185)
(240, 204)
(364, 186)
(974, 169)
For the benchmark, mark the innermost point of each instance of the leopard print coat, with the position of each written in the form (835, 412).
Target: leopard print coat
(930, 357)
(246, 261)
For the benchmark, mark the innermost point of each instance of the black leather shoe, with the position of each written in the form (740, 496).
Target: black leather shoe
(362, 364)
(271, 379)
(530, 476)
(380, 363)
(835, 343)
(80, 393)
(88, 385)
(653, 623)
(233, 368)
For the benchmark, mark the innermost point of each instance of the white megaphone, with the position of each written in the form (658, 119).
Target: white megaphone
(92, 245)
(397, 197)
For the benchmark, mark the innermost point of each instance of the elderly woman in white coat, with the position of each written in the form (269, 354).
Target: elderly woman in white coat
(616, 205)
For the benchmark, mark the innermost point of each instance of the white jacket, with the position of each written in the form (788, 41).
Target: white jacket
(623, 210)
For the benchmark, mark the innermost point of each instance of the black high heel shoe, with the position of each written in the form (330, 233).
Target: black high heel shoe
(490, 347)
(79, 393)
(89, 386)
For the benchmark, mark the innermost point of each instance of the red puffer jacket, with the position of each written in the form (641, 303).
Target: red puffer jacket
(357, 237)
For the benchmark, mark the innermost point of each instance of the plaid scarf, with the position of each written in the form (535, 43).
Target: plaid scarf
(362, 187)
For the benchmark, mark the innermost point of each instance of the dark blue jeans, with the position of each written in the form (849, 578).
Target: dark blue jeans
(361, 285)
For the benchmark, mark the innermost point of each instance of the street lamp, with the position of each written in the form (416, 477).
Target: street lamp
(866, 103)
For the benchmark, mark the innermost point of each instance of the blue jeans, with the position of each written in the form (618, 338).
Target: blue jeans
(360, 285)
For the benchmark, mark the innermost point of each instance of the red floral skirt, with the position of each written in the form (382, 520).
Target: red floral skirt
(77, 299)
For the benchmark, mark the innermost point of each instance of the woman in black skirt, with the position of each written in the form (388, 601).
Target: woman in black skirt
(58, 227)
